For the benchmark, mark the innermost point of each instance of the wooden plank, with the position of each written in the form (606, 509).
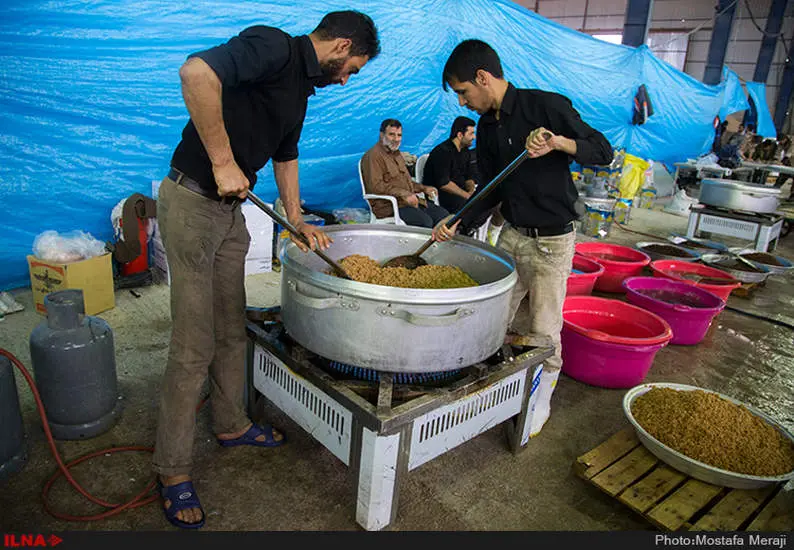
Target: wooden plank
(651, 489)
(385, 389)
(777, 515)
(733, 509)
(625, 471)
(594, 461)
(679, 507)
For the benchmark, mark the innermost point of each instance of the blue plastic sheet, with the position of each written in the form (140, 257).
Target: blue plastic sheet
(91, 108)
(735, 99)
(765, 126)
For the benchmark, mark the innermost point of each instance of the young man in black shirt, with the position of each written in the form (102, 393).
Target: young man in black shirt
(449, 168)
(247, 101)
(537, 199)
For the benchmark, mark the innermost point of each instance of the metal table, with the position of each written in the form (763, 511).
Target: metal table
(711, 169)
(763, 170)
(382, 430)
(762, 229)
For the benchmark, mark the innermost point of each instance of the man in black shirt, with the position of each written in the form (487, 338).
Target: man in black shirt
(537, 199)
(247, 101)
(449, 168)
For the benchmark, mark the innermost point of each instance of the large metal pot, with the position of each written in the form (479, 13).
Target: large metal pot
(397, 329)
(738, 195)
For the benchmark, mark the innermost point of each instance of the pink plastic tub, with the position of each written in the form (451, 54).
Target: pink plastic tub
(609, 343)
(688, 309)
(691, 273)
(620, 262)
(582, 283)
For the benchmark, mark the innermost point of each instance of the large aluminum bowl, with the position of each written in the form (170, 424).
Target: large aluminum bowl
(695, 468)
(737, 195)
(785, 267)
(397, 329)
(723, 261)
(686, 254)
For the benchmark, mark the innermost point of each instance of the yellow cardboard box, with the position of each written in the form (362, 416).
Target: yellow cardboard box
(93, 276)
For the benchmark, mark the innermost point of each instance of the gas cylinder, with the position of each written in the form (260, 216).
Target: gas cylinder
(13, 451)
(74, 363)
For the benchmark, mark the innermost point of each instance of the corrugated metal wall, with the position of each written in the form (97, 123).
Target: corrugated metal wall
(607, 16)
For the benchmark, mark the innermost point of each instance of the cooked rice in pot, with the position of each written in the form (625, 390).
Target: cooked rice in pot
(366, 270)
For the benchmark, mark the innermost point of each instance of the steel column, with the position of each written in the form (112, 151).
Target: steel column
(774, 22)
(638, 20)
(784, 93)
(720, 36)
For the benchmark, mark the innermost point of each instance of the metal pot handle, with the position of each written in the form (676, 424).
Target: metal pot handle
(337, 301)
(426, 320)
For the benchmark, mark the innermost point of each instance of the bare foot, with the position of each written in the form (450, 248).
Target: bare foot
(277, 435)
(189, 515)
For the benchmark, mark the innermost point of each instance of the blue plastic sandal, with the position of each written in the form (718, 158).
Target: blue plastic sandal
(249, 437)
(183, 497)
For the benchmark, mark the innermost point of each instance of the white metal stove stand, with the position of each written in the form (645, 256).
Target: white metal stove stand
(383, 444)
(763, 232)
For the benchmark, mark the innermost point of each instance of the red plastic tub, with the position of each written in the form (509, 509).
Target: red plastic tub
(620, 262)
(688, 309)
(609, 343)
(582, 283)
(689, 272)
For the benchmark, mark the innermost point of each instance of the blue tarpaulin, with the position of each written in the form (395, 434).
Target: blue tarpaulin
(765, 126)
(92, 108)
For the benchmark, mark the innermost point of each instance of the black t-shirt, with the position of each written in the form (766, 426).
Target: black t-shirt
(267, 78)
(446, 164)
(540, 192)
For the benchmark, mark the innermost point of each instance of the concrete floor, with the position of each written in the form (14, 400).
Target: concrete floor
(301, 486)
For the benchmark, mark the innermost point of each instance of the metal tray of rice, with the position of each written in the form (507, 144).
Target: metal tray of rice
(766, 442)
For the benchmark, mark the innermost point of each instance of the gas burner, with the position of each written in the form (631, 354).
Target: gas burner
(386, 424)
(740, 214)
(397, 377)
(762, 229)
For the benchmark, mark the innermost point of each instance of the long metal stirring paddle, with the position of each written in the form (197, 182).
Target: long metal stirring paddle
(412, 261)
(289, 227)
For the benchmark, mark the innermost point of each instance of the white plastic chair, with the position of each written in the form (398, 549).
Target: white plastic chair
(395, 218)
(420, 166)
(420, 172)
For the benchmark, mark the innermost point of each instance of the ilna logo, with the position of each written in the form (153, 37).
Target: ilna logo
(27, 541)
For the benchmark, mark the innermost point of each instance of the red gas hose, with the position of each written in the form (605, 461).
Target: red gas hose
(141, 499)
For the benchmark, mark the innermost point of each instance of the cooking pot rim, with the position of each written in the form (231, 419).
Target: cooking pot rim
(398, 294)
(742, 186)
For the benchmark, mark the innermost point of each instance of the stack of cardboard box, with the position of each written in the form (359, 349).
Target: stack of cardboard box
(260, 253)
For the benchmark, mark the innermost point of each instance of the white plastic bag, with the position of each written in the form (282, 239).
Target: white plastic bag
(67, 247)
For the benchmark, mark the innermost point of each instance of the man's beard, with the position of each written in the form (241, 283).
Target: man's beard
(330, 73)
(390, 145)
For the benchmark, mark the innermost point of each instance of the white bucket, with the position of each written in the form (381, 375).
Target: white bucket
(680, 204)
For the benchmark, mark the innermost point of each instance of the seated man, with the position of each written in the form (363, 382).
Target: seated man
(449, 167)
(385, 173)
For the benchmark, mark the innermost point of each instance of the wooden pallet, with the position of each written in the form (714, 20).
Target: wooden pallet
(624, 469)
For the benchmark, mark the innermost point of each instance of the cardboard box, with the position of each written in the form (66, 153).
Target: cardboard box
(159, 261)
(260, 253)
(258, 265)
(93, 276)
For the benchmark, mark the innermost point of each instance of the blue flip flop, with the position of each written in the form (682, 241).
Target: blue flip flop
(183, 497)
(249, 437)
